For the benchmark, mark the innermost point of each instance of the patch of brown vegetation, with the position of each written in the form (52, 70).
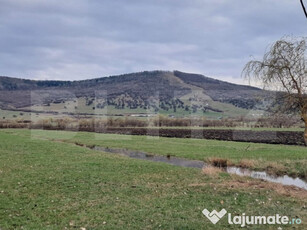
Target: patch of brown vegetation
(261, 185)
(14, 124)
(218, 162)
(246, 163)
(276, 168)
(211, 171)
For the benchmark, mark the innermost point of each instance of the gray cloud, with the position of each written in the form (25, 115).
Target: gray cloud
(78, 39)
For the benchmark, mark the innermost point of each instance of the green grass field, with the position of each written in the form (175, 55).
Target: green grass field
(47, 184)
(276, 159)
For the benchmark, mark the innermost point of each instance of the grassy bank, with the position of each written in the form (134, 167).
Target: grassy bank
(53, 185)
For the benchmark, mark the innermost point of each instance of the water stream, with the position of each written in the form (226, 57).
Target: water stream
(284, 180)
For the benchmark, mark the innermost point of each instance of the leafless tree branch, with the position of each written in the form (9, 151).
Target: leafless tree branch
(303, 6)
(285, 65)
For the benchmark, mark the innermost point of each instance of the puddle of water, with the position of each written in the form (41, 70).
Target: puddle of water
(285, 180)
(145, 156)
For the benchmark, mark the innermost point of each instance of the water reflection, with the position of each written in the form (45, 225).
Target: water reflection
(285, 180)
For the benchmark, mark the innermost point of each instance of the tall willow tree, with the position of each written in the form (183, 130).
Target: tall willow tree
(285, 66)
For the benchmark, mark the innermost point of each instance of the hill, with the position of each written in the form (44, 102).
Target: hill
(156, 91)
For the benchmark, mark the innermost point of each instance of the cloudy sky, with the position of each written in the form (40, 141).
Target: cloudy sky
(80, 39)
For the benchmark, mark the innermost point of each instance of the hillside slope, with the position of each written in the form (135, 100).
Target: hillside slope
(154, 91)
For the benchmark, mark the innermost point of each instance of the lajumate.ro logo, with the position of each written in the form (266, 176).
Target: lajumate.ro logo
(244, 220)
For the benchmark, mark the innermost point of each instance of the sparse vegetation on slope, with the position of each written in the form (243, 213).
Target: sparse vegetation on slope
(155, 92)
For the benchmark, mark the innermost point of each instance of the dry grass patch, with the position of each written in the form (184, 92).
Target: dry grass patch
(284, 190)
(218, 162)
(246, 163)
(276, 168)
(211, 171)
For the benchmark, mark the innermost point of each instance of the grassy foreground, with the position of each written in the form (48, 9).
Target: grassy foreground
(53, 185)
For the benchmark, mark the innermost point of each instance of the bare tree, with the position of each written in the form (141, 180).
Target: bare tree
(304, 9)
(285, 66)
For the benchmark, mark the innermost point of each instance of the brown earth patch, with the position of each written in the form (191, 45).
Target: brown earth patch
(211, 171)
(284, 190)
(262, 185)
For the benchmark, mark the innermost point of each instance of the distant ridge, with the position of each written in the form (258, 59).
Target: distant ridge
(173, 89)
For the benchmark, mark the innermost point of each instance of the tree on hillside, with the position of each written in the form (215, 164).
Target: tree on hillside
(285, 66)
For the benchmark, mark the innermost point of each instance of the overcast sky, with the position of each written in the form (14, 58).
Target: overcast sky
(80, 39)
